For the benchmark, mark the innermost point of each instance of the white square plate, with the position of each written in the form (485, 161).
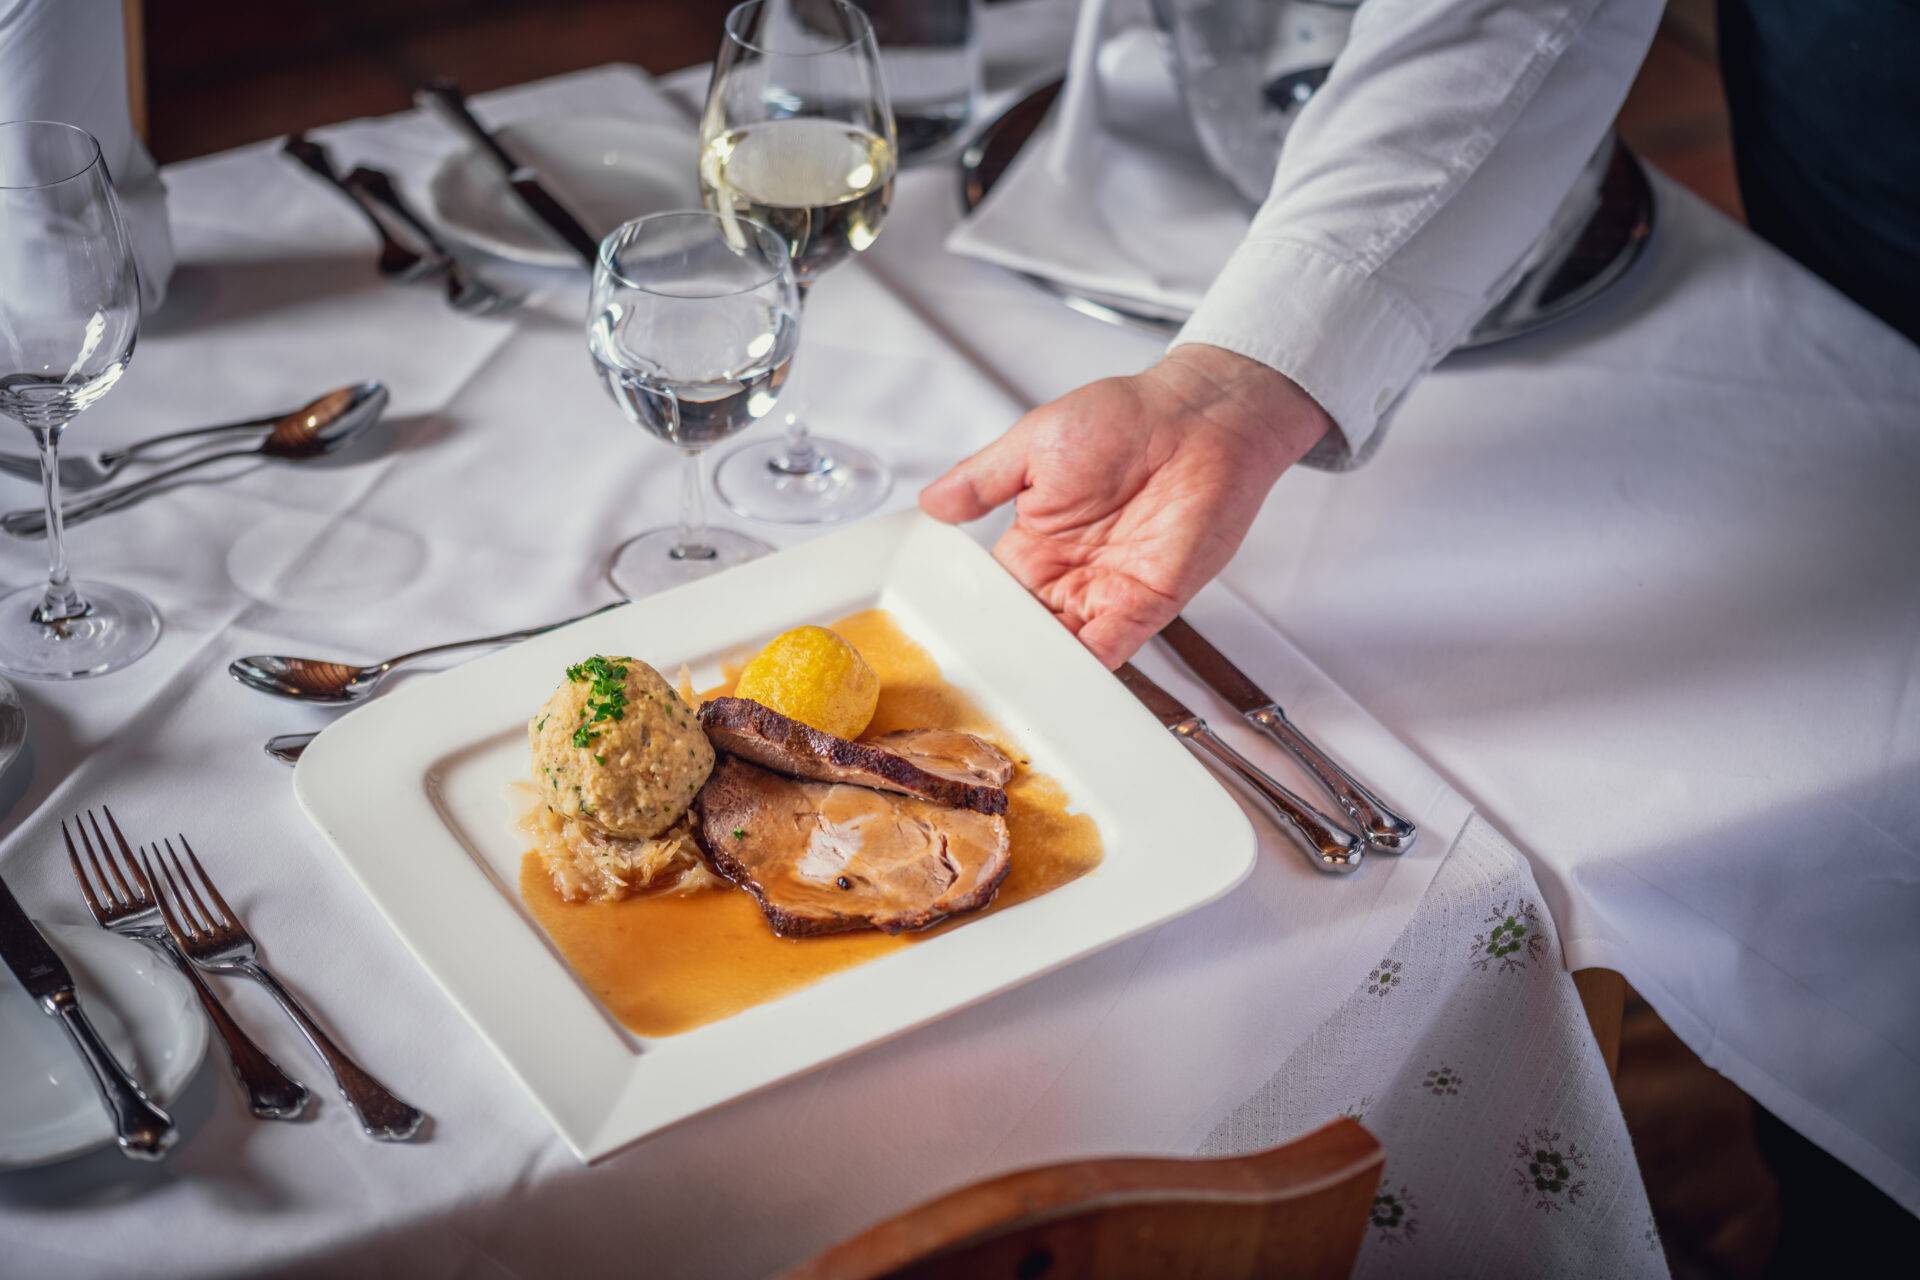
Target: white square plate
(423, 773)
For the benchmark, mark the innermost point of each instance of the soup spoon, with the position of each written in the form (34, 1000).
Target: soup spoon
(323, 427)
(340, 683)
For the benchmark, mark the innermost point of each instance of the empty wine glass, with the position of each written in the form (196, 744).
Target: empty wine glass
(69, 313)
(797, 134)
(692, 324)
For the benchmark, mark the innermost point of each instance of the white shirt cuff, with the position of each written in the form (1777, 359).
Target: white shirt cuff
(1345, 338)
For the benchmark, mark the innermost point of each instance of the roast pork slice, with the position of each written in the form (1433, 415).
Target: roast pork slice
(829, 857)
(941, 765)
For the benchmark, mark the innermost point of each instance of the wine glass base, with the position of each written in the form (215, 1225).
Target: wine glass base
(646, 564)
(752, 484)
(117, 629)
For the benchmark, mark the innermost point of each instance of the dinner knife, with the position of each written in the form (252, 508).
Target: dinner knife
(1384, 829)
(143, 1130)
(1328, 847)
(444, 98)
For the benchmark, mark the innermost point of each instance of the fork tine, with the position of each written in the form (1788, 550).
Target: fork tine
(181, 934)
(80, 873)
(143, 890)
(199, 906)
(119, 880)
(106, 886)
(230, 920)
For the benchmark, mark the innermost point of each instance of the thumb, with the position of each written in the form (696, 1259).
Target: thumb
(982, 482)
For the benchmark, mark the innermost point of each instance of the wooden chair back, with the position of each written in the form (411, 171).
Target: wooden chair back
(1296, 1212)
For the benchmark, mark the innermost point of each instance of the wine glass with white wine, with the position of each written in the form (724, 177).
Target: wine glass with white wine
(69, 314)
(798, 135)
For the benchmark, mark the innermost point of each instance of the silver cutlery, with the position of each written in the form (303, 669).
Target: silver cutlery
(215, 939)
(1327, 847)
(340, 683)
(143, 1130)
(396, 261)
(324, 427)
(287, 748)
(125, 905)
(1384, 829)
(465, 291)
(85, 470)
(443, 98)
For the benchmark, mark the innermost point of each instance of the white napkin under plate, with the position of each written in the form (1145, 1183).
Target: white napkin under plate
(1114, 195)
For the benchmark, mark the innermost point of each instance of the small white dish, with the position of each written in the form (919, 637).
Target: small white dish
(409, 791)
(50, 1108)
(604, 169)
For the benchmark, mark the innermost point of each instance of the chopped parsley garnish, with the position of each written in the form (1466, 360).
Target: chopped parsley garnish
(606, 699)
(598, 758)
(739, 834)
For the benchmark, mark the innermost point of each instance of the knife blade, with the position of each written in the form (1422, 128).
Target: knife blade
(1384, 829)
(444, 97)
(143, 1130)
(1327, 847)
(27, 953)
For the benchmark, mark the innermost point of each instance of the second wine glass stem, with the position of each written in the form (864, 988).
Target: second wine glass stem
(800, 457)
(62, 602)
(692, 543)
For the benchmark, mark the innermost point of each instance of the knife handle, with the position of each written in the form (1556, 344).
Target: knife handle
(1327, 847)
(143, 1130)
(1384, 829)
(444, 99)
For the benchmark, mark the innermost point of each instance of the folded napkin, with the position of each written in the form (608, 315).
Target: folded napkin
(1115, 195)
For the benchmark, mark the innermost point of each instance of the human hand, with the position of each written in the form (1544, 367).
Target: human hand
(1131, 493)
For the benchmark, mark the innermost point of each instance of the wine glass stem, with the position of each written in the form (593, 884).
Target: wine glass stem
(800, 457)
(692, 543)
(62, 601)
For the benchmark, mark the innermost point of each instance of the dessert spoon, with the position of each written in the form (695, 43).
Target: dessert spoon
(85, 470)
(318, 429)
(340, 683)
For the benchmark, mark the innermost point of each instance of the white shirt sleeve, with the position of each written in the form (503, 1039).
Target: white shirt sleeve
(1410, 187)
(66, 60)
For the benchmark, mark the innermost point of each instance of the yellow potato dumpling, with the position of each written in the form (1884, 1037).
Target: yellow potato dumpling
(814, 676)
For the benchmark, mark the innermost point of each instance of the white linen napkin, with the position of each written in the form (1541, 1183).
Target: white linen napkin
(1114, 195)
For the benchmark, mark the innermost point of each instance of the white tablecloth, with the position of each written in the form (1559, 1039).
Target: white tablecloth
(434, 534)
(1642, 587)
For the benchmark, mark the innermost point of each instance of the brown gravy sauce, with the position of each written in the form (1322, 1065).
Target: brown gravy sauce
(664, 965)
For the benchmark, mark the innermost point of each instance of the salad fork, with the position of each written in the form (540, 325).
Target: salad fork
(215, 939)
(126, 905)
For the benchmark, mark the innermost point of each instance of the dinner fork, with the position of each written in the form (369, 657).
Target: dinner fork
(126, 905)
(396, 261)
(466, 291)
(216, 940)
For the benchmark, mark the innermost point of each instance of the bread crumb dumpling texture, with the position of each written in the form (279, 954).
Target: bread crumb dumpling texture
(618, 749)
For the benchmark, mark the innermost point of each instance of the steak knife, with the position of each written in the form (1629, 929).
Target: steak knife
(1327, 847)
(444, 98)
(143, 1130)
(1384, 829)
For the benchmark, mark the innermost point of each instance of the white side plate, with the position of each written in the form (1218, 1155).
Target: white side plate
(409, 790)
(603, 169)
(50, 1108)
